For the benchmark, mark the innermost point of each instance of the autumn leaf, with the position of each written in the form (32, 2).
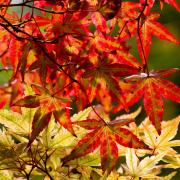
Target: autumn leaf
(99, 22)
(73, 54)
(49, 103)
(88, 160)
(28, 101)
(71, 23)
(110, 8)
(54, 137)
(144, 168)
(125, 57)
(42, 64)
(153, 89)
(14, 122)
(6, 97)
(105, 135)
(40, 121)
(23, 61)
(173, 3)
(160, 143)
(170, 2)
(144, 26)
(163, 142)
(105, 43)
(104, 72)
(150, 27)
(15, 52)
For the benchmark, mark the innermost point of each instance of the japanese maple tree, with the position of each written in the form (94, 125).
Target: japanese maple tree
(72, 71)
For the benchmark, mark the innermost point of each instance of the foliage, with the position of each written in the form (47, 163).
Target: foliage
(71, 71)
(49, 152)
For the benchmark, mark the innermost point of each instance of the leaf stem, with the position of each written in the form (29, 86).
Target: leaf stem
(139, 36)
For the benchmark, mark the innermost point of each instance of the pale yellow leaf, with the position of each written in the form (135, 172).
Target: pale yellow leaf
(173, 143)
(132, 160)
(169, 130)
(132, 115)
(82, 115)
(146, 168)
(14, 122)
(148, 163)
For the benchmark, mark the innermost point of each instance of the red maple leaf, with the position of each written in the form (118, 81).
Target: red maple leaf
(106, 135)
(50, 101)
(170, 2)
(109, 9)
(105, 71)
(144, 25)
(153, 89)
(150, 27)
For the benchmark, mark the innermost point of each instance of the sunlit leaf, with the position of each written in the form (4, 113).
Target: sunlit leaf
(105, 135)
(154, 89)
(14, 122)
(40, 121)
(164, 141)
(144, 168)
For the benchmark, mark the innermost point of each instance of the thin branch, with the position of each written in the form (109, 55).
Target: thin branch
(139, 35)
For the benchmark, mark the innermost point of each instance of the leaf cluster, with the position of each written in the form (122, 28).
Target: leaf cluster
(48, 156)
(72, 69)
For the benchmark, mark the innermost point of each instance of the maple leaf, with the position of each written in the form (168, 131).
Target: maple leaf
(14, 53)
(126, 19)
(106, 135)
(105, 72)
(4, 2)
(109, 9)
(10, 92)
(49, 102)
(54, 136)
(164, 141)
(170, 2)
(68, 46)
(70, 23)
(125, 57)
(160, 143)
(107, 68)
(150, 27)
(6, 97)
(18, 125)
(15, 122)
(144, 26)
(21, 67)
(146, 168)
(105, 43)
(43, 63)
(40, 121)
(153, 89)
(99, 21)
